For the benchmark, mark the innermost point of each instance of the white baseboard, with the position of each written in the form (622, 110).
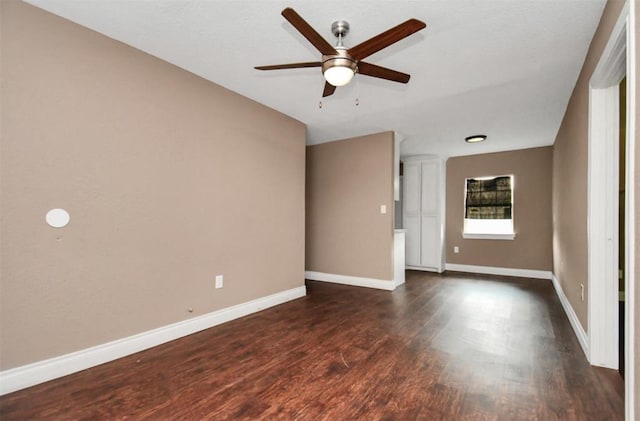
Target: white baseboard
(42, 371)
(491, 270)
(351, 280)
(573, 318)
(423, 269)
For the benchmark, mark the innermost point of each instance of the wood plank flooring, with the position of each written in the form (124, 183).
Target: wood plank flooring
(440, 347)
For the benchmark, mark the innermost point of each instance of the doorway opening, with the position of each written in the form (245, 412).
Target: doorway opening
(622, 108)
(609, 244)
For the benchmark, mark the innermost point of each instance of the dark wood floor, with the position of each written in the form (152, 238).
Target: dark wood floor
(440, 347)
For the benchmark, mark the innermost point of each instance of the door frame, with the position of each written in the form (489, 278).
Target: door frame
(616, 61)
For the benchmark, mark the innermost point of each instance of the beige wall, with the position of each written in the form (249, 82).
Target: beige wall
(570, 176)
(531, 249)
(169, 180)
(347, 181)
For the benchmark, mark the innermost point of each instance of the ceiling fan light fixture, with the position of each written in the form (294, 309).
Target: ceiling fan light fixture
(338, 75)
(338, 70)
(475, 138)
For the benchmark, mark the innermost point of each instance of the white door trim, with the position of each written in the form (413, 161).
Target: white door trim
(603, 227)
(631, 307)
(617, 59)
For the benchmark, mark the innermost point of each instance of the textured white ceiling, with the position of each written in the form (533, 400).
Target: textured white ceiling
(501, 68)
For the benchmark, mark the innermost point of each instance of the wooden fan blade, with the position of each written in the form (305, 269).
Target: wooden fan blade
(329, 89)
(308, 32)
(382, 72)
(385, 39)
(290, 66)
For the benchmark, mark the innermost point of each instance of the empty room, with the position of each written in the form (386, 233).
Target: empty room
(365, 210)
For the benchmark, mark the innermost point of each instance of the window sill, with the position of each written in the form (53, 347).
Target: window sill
(489, 236)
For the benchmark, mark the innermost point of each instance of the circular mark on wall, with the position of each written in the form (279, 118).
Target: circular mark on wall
(57, 218)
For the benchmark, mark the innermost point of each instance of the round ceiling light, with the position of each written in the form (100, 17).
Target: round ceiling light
(57, 218)
(475, 138)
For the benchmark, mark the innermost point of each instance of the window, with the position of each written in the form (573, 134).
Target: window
(488, 208)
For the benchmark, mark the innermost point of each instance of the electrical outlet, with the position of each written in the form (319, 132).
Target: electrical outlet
(383, 209)
(582, 292)
(456, 249)
(219, 281)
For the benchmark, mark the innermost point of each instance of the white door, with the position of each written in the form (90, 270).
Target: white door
(430, 206)
(411, 212)
(430, 255)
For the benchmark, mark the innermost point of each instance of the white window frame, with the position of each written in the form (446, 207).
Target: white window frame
(489, 229)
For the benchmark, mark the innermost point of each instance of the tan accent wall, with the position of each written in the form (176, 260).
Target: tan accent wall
(570, 176)
(169, 180)
(531, 249)
(347, 181)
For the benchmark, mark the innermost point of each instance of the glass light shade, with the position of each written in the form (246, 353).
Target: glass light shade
(57, 218)
(338, 75)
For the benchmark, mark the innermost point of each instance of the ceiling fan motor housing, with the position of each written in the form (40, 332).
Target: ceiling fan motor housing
(342, 59)
(342, 62)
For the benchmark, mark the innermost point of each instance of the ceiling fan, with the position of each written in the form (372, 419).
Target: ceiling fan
(340, 64)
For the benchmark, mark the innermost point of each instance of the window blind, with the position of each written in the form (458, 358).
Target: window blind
(488, 198)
